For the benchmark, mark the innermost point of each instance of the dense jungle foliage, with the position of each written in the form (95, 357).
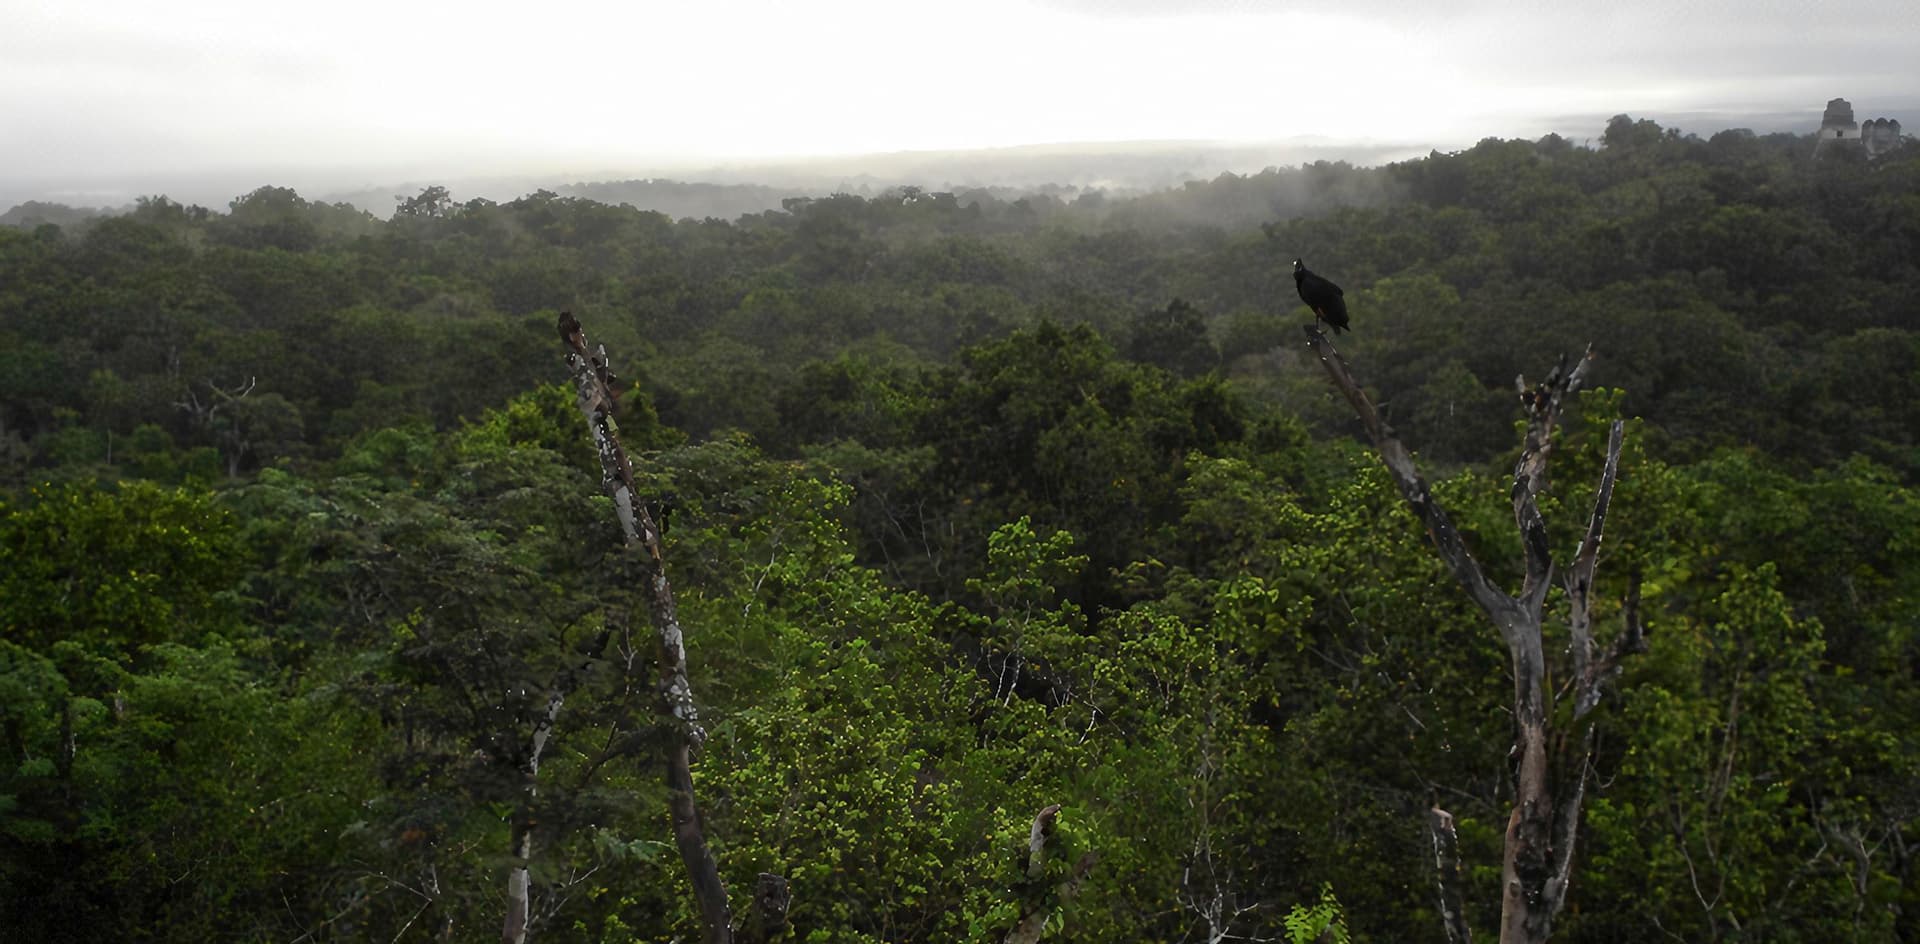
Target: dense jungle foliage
(973, 505)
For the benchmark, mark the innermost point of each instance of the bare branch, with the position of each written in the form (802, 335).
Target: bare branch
(1566, 822)
(237, 393)
(596, 401)
(594, 392)
(1534, 543)
(1550, 767)
(1446, 862)
(1543, 404)
(1632, 640)
(520, 880)
(768, 917)
(1033, 920)
(703, 872)
(1413, 487)
(1037, 840)
(1580, 582)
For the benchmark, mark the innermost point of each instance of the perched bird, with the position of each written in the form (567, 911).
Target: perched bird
(1329, 304)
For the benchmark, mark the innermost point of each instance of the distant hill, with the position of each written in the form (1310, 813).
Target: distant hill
(35, 213)
(728, 189)
(1121, 167)
(684, 199)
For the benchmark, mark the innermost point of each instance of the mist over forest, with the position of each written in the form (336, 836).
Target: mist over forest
(976, 546)
(726, 190)
(689, 187)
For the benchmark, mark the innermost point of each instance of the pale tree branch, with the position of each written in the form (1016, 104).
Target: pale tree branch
(203, 413)
(1534, 545)
(1035, 912)
(1588, 674)
(1033, 922)
(519, 919)
(1413, 487)
(1037, 840)
(1566, 822)
(593, 383)
(1543, 403)
(1550, 765)
(1446, 863)
(1631, 641)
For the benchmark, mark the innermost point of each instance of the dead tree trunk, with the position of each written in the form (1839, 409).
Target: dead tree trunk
(1039, 907)
(233, 437)
(1551, 766)
(520, 880)
(1446, 863)
(593, 384)
(767, 919)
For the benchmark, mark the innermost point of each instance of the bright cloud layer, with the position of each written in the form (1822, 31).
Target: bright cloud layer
(118, 87)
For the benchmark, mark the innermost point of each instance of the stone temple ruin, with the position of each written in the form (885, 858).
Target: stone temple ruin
(1880, 135)
(1839, 132)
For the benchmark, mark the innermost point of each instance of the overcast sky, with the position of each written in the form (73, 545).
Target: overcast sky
(125, 88)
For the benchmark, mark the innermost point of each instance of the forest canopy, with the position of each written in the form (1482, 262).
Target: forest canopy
(974, 504)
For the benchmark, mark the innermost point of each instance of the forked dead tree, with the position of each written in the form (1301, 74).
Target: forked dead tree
(1552, 757)
(593, 386)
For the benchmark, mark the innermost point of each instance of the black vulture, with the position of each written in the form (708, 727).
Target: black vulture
(1329, 304)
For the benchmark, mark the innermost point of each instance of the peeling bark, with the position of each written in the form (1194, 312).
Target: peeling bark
(519, 888)
(594, 391)
(1550, 766)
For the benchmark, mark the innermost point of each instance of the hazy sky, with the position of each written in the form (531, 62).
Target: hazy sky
(113, 88)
